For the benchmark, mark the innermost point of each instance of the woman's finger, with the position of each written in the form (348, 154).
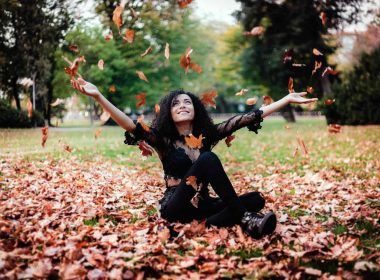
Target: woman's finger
(303, 93)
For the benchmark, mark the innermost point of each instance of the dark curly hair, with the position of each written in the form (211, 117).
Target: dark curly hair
(202, 123)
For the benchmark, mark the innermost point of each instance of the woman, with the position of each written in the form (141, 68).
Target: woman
(189, 170)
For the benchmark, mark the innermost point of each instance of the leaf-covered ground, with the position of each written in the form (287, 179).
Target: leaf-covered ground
(63, 216)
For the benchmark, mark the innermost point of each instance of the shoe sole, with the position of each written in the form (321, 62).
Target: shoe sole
(268, 224)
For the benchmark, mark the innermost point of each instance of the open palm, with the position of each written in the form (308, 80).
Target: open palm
(85, 87)
(298, 98)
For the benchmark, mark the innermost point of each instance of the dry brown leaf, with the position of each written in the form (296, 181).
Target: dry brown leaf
(194, 142)
(167, 51)
(44, 131)
(142, 76)
(117, 17)
(112, 89)
(101, 64)
(97, 133)
(129, 36)
(251, 101)
(290, 85)
(241, 92)
(147, 51)
(140, 119)
(141, 99)
(157, 108)
(208, 98)
(267, 100)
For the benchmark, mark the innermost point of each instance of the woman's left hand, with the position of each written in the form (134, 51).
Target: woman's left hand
(298, 98)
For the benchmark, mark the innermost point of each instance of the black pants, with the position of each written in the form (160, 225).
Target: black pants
(224, 211)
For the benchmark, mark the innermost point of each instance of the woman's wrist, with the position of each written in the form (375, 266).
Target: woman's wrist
(98, 96)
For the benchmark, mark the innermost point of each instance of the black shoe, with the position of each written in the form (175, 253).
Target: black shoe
(257, 225)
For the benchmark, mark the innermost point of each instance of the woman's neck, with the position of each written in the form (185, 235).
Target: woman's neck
(184, 128)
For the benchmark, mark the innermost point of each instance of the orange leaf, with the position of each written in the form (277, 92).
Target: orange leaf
(142, 76)
(44, 131)
(208, 98)
(194, 142)
(316, 52)
(196, 67)
(334, 128)
(141, 99)
(267, 100)
(112, 88)
(317, 65)
(97, 133)
(183, 3)
(104, 117)
(117, 16)
(157, 108)
(101, 64)
(302, 145)
(147, 51)
(251, 101)
(241, 92)
(323, 18)
(73, 69)
(192, 181)
(140, 119)
(290, 85)
(129, 36)
(185, 62)
(329, 101)
(167, 51)
(67, 148)
(29, 107)
(229, 139)
(309, 89)
(74, 48)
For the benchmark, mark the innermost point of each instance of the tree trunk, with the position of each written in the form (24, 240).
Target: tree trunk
(15, 93)
(288, 113)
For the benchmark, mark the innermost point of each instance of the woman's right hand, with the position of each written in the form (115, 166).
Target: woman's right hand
(85, 87)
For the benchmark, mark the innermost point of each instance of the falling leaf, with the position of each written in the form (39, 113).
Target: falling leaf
(141, 99)
(241, 92)
(192, 181)
(330, 71)
(145, 149)
(288, 55)
(251, 101)
(129, 36)
(101, 64)
(44, 131)
(267, 100)
(290, 85)
(334, 128)
(194, 142)
(142, 76)
(157, 108)
(104, 117)
(140, 120)
(323, 18)
(147, 51)
(57, 102)
(183, 3)
(112, 88)
(73, 69)
(316, 52)
(167, 51)
(255, 31)
(317, 65)
(74, 48)
(185, 62)
(67, 148)
(97, 133)
(109, 36)
(117, 16)
(229, 139)
(329, 101)
(29, 107)
(208, 98)
(309, 89)
(301, 143)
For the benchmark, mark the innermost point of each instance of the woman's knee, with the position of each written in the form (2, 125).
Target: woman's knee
(209, 158)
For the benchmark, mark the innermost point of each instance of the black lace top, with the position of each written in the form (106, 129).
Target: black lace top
(176, 156)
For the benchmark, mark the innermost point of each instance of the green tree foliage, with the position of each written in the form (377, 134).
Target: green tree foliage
(357, 99)
(30, 31)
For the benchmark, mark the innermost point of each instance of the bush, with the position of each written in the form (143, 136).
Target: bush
(12, 118)
(357, 98)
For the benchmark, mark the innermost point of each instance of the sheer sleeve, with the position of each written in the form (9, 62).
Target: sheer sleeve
(251, 120)
(147, 134)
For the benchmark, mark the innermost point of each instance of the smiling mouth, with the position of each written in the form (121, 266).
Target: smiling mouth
(183, 112)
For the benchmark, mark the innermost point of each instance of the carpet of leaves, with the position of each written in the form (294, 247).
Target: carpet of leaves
(73, 219)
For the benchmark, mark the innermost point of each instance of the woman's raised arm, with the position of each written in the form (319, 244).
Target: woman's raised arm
(295, 97)
(91, 90)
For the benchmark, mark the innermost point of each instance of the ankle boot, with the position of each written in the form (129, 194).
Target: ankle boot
(257, 224)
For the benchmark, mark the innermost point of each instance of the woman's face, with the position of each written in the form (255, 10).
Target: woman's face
(182, 108)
